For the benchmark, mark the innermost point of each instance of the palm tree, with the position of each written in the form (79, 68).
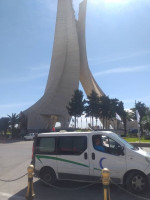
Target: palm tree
(13, 121)
(76, 106)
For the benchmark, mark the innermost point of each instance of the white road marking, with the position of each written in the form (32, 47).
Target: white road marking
(2, 194)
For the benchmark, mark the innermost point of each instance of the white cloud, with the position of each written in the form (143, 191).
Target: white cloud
(114, 58)
(108, 2)
(122, 70)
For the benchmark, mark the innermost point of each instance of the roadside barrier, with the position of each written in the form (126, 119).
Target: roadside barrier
(30, 191)
(13, 179)
(106, 181)
(67, 189)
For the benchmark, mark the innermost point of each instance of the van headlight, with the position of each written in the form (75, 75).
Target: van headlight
(147, 159)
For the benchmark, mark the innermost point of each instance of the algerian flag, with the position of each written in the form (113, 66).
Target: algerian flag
(137, 116)
(118, 117)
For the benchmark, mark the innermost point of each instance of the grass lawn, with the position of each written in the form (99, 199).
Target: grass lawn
(135, 139)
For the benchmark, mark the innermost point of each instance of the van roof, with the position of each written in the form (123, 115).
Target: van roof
(72, 133)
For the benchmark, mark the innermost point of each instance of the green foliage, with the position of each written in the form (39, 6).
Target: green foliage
(13, 121)
(22, 121)
(146, 123)
(76, 106)
(93, 105)
(136, 139)
(4, 124)
(143, 110)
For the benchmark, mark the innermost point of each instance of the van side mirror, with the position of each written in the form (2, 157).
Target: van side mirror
(120, 150)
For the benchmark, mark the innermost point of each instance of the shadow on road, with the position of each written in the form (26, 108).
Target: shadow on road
(67, 190)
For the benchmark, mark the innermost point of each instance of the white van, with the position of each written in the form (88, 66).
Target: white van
(78, 156)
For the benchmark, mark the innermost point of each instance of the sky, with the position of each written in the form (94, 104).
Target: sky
(118, 49)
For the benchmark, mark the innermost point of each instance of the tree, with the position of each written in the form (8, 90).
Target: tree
(146, 123)
(93, 106)
(146, 120)
(106, 109)
(22, 121)
(76, 106)
(13, 121)
(126, 117)
(142, 109)
(4, 124)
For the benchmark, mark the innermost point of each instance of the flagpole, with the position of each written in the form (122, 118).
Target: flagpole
(86, 123)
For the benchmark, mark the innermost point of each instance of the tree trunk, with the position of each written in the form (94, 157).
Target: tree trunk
(75, 121)
(92, 121)
(125, 128)
(141, 129)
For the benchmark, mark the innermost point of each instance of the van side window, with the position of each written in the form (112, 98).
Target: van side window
(105, 144)
(98, 143)
(46, 145)
(74, 145)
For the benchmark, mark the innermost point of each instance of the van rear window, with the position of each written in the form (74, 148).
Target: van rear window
(70, 145)
(46, 145)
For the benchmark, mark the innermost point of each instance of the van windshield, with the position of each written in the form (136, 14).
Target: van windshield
(130, 146)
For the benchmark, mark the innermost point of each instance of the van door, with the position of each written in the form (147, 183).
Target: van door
(106, 155)
(72, 157)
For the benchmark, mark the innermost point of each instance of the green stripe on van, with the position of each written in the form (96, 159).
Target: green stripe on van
(97, 169)
(60, 159)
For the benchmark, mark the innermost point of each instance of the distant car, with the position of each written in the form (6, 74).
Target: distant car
(29, 136)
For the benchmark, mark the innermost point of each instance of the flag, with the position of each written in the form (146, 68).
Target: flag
(137, 116)
(118, 117)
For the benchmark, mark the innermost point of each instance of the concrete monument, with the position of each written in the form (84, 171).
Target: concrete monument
(69, 65)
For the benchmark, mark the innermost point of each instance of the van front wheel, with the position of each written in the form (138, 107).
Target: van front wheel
(48, 176)
(136, 182)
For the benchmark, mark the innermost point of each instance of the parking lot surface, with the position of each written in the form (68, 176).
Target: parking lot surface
(16, 157)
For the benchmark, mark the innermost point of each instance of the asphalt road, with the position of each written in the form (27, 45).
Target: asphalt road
(14, 160)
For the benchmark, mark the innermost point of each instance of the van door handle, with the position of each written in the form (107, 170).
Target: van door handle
(85, 156)
(93, 156)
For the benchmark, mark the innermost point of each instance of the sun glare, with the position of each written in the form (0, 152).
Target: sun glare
(109, 1)
(116, 1)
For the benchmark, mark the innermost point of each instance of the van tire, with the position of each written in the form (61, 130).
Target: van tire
(48, 176)
(136, 182)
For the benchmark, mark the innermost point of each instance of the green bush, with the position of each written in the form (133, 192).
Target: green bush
(147, 137)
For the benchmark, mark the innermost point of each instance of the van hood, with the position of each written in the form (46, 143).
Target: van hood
(138, 152)
(138, 158)
(142, 152)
